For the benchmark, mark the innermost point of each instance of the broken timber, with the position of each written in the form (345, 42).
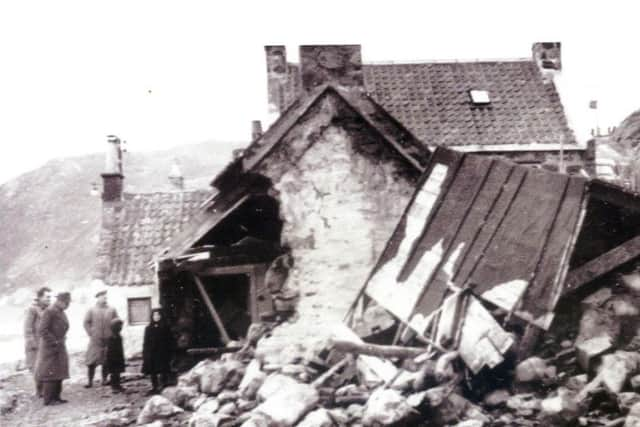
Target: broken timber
(603, 264)
(384, 351)
(212, 310)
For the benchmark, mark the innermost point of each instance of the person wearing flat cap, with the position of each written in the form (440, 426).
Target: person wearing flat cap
(52, 361)
(97, 323)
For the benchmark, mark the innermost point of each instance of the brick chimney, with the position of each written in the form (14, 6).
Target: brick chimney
(175, 176)
(547, 56)
(340, 65)
(112, 177)
(276, 77)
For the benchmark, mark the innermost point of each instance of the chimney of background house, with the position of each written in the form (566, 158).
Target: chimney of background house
(340, 65)
(256, 129)
(112, 177)
(547, 57)
(175, 176)
(276, 77)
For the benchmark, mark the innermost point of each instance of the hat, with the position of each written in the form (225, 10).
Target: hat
(102, 292)
(64, 296)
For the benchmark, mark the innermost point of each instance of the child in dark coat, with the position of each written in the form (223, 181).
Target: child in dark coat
(114, 360)
(157, 351)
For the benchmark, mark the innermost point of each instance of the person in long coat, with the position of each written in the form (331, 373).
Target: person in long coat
(97, 324)
(157, 351)
(32, 317)
(52, 362)
(114, 362)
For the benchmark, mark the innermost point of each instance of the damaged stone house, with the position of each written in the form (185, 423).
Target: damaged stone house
(303, 213)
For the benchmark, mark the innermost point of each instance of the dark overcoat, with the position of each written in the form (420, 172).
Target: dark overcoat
(97, 323)
(52, 362)
(157, 348)
(114, 360)
(32, 317)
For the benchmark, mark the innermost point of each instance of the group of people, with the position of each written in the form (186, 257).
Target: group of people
(45, 332)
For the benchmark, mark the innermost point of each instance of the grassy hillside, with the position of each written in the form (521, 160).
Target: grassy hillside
(50, 222)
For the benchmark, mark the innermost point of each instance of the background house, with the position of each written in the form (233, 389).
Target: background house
(135, 227)
(508, 107)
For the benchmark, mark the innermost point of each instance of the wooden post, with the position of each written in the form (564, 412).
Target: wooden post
(212, 310)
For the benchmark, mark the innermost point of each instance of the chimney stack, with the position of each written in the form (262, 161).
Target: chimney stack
(340, 65)
(256, 129)
(548, 57)
(112, 177)
(276, 77)
(175, 176)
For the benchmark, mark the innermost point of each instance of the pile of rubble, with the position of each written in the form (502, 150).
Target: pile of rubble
(593, 379)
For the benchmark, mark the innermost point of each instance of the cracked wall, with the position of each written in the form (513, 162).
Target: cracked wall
(342, 189)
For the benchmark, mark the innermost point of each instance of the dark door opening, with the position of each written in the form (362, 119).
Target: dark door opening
(231, 297)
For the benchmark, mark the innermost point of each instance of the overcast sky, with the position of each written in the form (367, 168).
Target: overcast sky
(161, 73)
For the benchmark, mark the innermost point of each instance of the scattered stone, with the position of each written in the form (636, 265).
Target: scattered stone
(386, 407)
(524, 404)
(180, 395)
(257, 420)
(156, 408)
(228, 408)
(497, 398)
(347, 389)
(223, 374)
(118, 418)
(245, 405)
(562, 408)
(590, 349)
(577, 382)
(635, 382)
(7, 401)
(566, 344)
(626, 400)
(195, 402)
(227, 396)
(206, 420)
(470, 423)
(210, 406)
(318, 418)
(252, 380)
(617, 368)
(292, 370)
(355, 411)
(534, 369)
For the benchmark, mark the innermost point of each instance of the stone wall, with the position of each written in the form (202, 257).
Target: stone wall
(342, 189)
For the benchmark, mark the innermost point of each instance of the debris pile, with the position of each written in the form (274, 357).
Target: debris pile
(582, 373)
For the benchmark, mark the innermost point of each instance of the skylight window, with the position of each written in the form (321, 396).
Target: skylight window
(480, 97)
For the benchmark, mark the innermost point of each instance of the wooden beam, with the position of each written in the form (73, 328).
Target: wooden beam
(603, 264)
(212, 310)
(384, 351)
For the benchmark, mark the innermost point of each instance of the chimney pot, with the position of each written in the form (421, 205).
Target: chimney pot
(276, 77)
(256, 129)
(337, 64)
(547, 55)
(112, 177)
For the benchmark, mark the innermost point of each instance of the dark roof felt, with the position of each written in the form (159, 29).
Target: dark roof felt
(136, 229)
(432, 100)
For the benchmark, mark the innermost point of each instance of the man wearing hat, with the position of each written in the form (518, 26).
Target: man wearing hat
(52, 361)
(97, 323)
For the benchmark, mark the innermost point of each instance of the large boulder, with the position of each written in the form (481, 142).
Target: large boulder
(534, 369)
(285, 406)
(617, 368)
(273, 383)
(157, 408)
(192, 377)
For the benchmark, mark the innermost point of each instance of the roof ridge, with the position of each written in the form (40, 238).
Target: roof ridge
(446, 61)
(151, 193)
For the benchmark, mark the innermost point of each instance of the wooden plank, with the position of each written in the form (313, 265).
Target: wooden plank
(515, 248)
(212, 310)
(539, 296)
(603, 264)
(490, 226)
(443, 231)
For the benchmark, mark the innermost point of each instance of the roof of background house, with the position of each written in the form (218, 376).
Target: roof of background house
(432, 100)
(136, 229)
